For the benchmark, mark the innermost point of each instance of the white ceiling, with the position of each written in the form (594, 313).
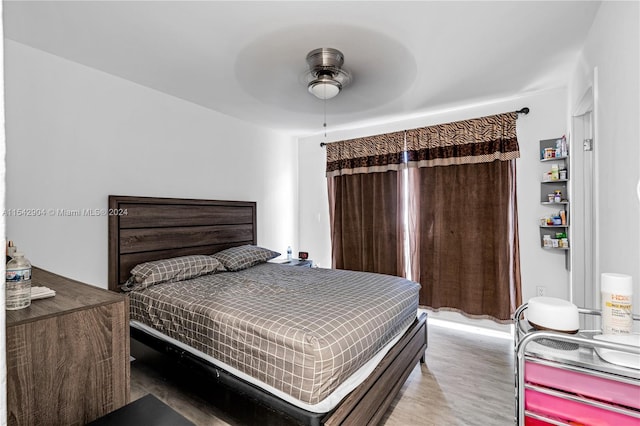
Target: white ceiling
(247, 59)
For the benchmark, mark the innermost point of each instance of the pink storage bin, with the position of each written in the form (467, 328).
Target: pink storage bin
(570, 411)
(611, 391)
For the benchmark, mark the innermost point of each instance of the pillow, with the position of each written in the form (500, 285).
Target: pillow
(170, 270)
(243, 257)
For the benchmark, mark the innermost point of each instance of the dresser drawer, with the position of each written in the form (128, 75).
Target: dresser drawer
(591, 386)
(565, 409)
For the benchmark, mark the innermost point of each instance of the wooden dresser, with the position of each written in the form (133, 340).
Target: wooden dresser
(68, 355)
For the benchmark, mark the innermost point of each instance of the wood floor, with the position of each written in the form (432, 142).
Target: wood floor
(467, 380)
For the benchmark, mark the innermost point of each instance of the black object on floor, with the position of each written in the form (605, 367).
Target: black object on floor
(147, 411)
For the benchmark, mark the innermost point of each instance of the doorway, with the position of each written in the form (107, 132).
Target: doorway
(583, 256)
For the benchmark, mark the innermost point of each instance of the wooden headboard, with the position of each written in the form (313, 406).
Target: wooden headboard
(142, 229)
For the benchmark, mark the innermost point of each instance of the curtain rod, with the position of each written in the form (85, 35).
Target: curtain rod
(524, 111)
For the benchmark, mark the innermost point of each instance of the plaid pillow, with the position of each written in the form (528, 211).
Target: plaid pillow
(243, 257)
(170, 270)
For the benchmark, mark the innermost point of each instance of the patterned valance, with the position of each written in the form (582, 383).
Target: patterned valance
(479, 140)
(371, 154)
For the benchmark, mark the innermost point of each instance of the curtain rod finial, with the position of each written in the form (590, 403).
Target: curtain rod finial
(524, 111)
(322, 144)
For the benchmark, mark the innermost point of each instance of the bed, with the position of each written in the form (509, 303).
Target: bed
(145, 229)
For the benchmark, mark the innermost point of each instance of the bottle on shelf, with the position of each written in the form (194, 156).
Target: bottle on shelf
(289, 253)
(562, 172)
(18, 282)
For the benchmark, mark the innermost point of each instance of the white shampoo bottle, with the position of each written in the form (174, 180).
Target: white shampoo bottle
(617, 293)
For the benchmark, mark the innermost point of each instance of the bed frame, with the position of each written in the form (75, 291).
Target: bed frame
(143, 229)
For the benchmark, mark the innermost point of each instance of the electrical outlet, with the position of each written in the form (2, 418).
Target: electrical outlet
(541, 291)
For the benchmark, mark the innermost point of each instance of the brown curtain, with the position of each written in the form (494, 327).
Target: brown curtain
(367, 228)
(365, 203)
(464, 244)
(462, 195)
(461, 230)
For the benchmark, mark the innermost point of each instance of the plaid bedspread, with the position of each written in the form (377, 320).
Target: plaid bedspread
(299, 330)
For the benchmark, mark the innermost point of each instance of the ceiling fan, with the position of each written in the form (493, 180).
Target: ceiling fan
(326, 77)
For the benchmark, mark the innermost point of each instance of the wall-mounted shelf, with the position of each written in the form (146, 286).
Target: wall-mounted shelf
(554, 193)
(544, 160)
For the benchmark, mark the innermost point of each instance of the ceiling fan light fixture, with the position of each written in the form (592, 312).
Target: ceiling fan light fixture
(325, 77)
(324, 88)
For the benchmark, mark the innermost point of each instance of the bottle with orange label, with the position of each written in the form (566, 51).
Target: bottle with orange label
(616, 292)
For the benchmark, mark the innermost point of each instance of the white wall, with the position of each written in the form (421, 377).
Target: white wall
(613, 46)
(546, 120)
(76, 135)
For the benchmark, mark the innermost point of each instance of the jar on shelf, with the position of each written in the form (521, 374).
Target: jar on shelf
(557, 196)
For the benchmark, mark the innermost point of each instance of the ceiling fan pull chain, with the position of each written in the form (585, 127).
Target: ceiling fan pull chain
(324, 104)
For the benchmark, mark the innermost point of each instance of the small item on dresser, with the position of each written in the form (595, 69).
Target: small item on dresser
(18, 282)
(617, 293)
(41, 293)
(11, 250)
(550, 313)
(289, 253)
(303, 255)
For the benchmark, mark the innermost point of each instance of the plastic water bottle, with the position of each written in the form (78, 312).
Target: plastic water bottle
(18, 282)
(289, 256)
